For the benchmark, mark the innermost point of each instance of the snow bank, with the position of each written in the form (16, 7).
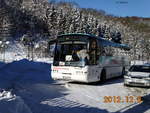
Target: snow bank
(26, 71)
(10, 103)
(1, 64)
(46, 60)
(16, 73)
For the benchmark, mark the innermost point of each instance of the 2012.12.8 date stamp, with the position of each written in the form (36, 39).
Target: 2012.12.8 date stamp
(122, 99)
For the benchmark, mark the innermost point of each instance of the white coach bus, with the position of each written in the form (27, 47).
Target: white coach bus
(87, 58)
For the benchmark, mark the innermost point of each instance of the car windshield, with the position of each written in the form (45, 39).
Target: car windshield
(139, 68)
(70, 53)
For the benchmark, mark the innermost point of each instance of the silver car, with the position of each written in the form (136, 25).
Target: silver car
(138, 75)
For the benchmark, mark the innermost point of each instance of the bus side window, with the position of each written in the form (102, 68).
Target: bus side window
(57, 52)
(109, 51)
(99, 51)
(93, 52)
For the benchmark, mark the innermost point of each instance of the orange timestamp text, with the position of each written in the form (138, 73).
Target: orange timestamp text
(120, 99)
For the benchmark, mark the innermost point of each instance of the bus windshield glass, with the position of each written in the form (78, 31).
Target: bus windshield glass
(71, 53)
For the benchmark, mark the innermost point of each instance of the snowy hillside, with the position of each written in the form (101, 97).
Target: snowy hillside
(45, 19)
(27, 87)
(17, 51)
(14, 51)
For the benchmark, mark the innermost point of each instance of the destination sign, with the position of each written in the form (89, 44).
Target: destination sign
(72, 38)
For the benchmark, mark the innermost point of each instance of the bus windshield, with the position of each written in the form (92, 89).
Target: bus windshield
(71, 53)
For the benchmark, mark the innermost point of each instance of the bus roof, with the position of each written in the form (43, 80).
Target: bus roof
(104, 42)
(77, 34)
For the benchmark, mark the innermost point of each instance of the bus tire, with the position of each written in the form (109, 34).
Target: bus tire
(103, 76)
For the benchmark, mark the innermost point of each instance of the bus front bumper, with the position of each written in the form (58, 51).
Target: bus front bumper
(73, 78)
(77, 74)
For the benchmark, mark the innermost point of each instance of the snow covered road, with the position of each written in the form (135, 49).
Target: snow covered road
(93, 95)
(82, 98)
(26, 87)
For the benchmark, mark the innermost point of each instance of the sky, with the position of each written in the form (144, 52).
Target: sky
(122, 8)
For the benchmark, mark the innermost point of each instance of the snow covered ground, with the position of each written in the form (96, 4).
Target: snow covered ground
(27, 87)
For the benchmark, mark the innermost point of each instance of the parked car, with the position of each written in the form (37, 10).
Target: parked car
(138, 75)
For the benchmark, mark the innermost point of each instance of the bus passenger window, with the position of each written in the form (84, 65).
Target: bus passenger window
(93, 52)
